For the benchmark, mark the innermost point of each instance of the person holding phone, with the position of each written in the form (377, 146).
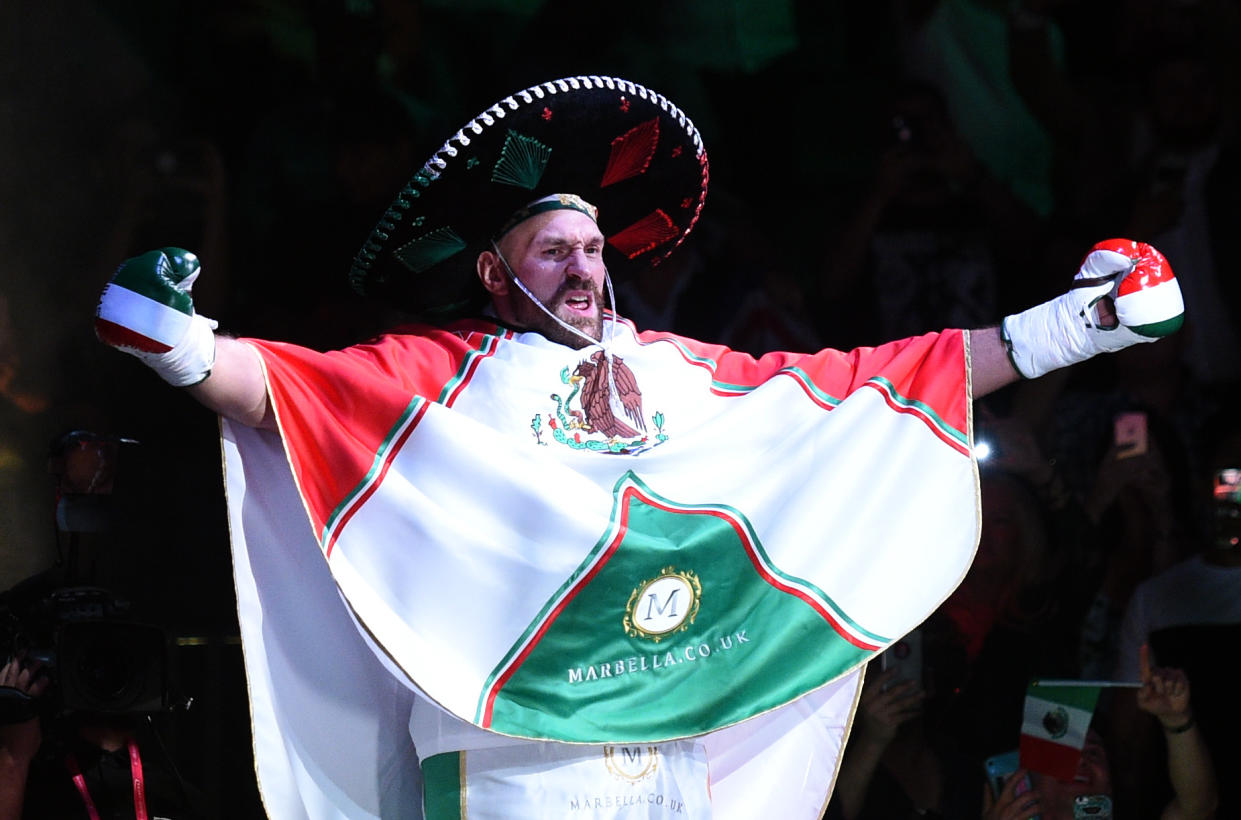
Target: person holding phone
(890, 701)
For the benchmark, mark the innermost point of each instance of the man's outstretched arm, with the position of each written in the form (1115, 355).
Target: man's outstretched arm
(1124, 293)
(146, 311)
(990, 367)
(235, 388)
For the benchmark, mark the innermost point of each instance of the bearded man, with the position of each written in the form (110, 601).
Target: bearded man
(506, 605)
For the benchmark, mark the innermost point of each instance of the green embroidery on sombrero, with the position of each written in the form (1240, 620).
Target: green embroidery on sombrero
(429, 249)
(522, 161)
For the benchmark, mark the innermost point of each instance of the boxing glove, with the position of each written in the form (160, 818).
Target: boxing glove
(146, 310)
(1124, 293)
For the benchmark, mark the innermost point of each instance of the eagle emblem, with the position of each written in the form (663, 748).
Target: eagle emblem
(603, 411)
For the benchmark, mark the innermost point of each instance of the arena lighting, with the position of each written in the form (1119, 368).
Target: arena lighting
(982, 450)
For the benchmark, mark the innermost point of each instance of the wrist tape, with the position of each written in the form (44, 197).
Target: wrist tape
(191, 359)
(1059, 333)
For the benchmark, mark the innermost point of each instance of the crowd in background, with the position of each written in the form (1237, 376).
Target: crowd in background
(878, 170)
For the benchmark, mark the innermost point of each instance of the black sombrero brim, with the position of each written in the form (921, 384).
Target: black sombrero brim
(619, 145)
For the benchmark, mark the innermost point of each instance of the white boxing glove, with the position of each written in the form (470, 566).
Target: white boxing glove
(146, 311)
(1124, 293)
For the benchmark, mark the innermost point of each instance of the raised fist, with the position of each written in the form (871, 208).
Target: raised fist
(146, 310)
(1145, 299)
(1124, 293)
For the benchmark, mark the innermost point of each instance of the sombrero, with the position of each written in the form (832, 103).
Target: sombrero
(616, 144)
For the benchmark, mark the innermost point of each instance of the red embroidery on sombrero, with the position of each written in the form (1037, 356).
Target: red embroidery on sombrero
(631, 152)
(649, 232)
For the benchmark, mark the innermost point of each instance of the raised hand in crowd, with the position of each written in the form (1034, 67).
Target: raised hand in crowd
(885, 705)
(1165, 696)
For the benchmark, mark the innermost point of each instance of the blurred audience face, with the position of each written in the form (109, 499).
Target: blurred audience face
(87, 465)
(1184, 99)
(1093, 777)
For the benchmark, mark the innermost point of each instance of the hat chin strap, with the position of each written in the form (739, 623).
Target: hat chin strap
(590, 341)
(606, 345)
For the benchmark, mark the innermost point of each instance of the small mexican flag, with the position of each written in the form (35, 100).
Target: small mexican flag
(1053, 731)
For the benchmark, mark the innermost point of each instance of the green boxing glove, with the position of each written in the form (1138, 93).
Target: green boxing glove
(146, 311)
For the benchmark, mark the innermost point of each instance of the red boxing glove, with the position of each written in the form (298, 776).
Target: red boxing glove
(1124, 293)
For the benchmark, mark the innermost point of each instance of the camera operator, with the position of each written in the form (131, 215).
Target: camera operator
(19, 740)
(96, 766)
(83, 680)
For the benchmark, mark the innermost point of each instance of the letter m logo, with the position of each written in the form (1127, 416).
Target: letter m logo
(668, 609)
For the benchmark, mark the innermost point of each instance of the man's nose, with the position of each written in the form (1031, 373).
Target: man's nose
(579, 264)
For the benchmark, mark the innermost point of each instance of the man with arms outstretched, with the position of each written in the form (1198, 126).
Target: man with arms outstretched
(602, 571)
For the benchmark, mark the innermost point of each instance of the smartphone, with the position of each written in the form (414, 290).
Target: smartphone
(1228, 486)
(999, 767)
(906, 656)
(1129, 434)
(1092, 807)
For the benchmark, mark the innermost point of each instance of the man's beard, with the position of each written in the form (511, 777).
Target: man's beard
(530, 316)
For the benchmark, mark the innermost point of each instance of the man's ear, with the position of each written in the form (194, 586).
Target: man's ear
(491, 273)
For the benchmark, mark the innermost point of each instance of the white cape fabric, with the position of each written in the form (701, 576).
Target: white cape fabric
(330, 714)
(330, 719)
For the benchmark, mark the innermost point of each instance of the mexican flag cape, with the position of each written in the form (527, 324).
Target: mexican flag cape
(662, 540)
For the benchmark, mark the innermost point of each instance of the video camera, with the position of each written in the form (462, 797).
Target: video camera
(98, 657)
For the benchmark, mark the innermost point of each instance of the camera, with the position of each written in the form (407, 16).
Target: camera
(99, 658)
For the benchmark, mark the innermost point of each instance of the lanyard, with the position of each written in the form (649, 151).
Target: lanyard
(135, 768)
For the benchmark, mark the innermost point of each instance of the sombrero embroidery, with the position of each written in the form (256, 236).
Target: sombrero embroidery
(617, 144)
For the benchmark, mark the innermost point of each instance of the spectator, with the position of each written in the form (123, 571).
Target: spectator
(1186, 614)
(888, 769)
(1165, 695)
(92, 765)
(929, 233)
(1184, 171)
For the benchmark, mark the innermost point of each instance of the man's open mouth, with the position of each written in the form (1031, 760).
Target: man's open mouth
(580, 302)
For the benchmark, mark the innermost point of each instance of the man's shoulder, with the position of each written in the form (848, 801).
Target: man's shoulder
(1193, 566)
(456, 331)
(1193, 573)
(456, 327)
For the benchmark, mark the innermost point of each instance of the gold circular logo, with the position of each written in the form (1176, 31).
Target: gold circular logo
(631, 763)
(662, 605)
